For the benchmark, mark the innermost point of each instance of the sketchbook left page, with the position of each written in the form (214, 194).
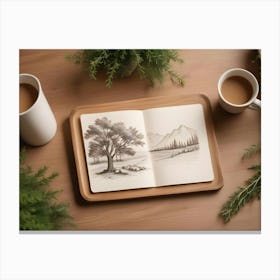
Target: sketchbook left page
(116, 151)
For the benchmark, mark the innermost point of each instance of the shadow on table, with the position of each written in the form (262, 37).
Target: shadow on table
(224, 120)
(71, 163)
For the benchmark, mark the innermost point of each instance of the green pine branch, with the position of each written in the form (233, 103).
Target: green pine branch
(150, 64)
(245, 194)
(39, 209)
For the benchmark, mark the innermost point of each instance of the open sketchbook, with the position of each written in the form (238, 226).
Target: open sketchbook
(134, 149)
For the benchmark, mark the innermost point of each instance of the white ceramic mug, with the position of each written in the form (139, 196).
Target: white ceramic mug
(37, 124)
(253, 103)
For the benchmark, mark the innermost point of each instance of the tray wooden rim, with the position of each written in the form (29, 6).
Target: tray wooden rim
(140, 104)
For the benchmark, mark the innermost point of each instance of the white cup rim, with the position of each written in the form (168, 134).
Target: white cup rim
(255, 86)
(39, 90)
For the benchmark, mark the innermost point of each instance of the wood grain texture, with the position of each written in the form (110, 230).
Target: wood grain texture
(67, 86)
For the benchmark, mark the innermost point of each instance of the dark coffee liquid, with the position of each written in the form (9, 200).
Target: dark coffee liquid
(27, 97)
(237, 90)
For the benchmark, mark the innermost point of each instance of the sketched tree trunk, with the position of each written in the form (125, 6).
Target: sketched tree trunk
(111, 139)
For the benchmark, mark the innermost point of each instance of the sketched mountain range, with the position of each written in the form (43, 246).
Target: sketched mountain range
(154, 139)
(182, 136)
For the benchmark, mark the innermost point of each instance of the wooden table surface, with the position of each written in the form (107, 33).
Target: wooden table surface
(67, 85)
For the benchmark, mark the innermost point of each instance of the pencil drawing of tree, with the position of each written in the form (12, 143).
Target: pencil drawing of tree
(111, 140)
(96, 152)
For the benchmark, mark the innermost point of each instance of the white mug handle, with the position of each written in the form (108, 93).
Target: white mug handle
(256, 105)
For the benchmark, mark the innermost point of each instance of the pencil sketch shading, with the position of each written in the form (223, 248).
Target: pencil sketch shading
(134, 149)
(116, 151)
(113, 141)
(180, 140)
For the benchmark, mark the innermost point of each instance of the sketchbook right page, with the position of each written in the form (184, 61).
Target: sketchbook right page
(178, 143)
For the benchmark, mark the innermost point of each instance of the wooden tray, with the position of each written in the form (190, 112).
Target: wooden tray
(140, 104)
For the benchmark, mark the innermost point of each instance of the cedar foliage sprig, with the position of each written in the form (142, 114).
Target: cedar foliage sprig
(38, 209)
(150, 64)
(243, 195)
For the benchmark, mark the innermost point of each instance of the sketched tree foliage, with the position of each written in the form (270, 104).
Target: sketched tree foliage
(111, 140)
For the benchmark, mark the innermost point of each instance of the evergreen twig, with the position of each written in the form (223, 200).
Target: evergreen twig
(243, 195)
(150, 64)
(38, 211)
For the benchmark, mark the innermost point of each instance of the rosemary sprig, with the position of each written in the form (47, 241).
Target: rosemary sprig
(243, 195)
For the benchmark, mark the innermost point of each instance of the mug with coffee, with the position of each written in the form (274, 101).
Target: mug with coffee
(238, 89)
(37, 122)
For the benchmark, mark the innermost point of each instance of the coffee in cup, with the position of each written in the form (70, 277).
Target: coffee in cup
(238, 90)
(37, 122)
(28, 95)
